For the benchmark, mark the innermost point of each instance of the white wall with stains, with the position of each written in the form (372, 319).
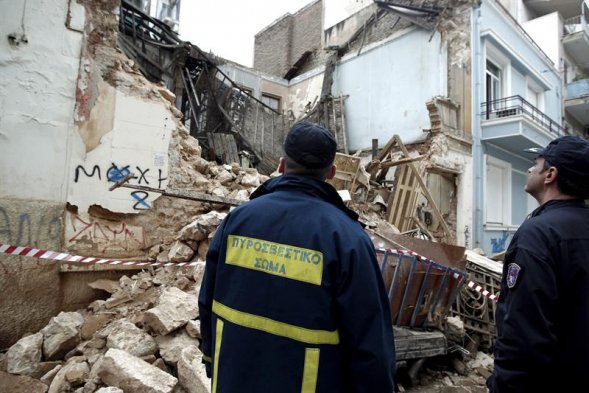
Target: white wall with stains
(137, 145)
(40, 49)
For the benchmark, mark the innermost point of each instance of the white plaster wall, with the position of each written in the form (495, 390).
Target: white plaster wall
(335, 11)
(138, 144)
(545, 31)
(388, 86)
(464, 196)
(37, 96)
(304, 91)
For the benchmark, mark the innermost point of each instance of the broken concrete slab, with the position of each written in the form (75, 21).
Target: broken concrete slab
(172, 345)
(125, 371)
(61, 335)
(175, 309)
(191, 371)
(24, 356)
(128, 337)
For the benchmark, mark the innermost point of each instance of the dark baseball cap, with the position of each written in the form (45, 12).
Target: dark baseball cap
(310, 145)
(569, 154)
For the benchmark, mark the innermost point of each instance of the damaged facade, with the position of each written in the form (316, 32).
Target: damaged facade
(467, 85)
(77, 116)
(431, 104)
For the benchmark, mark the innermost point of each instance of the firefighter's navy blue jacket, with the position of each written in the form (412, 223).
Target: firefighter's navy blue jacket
(292, 298)
(543, 310)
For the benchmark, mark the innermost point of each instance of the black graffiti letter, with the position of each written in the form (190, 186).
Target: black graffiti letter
(160, 178)
(140, 197)
(94, 170)
(142, 175)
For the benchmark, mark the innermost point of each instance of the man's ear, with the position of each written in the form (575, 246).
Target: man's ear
(331, 172)
(281, 165)
(551, 175)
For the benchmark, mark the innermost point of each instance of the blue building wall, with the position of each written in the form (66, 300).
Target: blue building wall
(494, 34)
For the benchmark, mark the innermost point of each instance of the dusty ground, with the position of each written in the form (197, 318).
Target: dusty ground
(439, 375)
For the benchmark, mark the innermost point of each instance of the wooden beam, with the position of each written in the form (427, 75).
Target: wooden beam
(388, 164)
(425, 190)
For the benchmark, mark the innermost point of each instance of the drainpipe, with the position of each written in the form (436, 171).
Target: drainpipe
(477, 148)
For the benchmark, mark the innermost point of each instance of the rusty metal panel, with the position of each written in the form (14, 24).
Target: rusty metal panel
(445, 254)
(420, 291)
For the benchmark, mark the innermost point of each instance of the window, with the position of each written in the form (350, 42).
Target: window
(497, 192)
(493, 82)
(272, 101)
(535, 95)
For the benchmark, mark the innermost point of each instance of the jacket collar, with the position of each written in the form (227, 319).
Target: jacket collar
(305, 184)
(555, 204)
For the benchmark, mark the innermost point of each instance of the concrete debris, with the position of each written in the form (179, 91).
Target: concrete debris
(20, 384)
(180, 252)
(175, 309)
(133, 375)
(201, 228)
(24, 356)
(61, 335)
(128, 337)
(172, 345)
(191, 375)
(455, 329)
(149, 343)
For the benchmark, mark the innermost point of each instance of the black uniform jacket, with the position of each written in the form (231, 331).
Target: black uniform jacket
(543, 310)
(292, 298)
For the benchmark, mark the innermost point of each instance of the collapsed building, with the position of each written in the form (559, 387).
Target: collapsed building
(121, 100)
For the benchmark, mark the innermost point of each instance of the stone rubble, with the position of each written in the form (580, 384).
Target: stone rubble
(146, 343)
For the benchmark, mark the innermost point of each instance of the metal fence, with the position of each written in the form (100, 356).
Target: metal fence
(518, 106)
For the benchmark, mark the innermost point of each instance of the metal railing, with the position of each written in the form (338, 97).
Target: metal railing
(517, 106)
(574, 25)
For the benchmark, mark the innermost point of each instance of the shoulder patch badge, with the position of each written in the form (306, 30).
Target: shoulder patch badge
(513, 270)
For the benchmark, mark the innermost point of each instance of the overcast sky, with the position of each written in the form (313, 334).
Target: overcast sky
(227, 28)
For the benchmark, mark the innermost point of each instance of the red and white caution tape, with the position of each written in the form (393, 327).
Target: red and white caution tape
(470, 284)
(64, 257)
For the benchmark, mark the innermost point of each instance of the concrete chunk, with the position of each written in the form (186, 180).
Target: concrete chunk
(125, 371)
(128, 337)
(171, 345)
(24, 356)
(191, 372)
(61, 335)
(174, 310)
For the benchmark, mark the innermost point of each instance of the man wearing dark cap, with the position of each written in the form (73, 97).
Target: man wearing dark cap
(293, 299)
(543, 311)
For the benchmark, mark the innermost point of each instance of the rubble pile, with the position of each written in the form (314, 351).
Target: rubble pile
(143, 338)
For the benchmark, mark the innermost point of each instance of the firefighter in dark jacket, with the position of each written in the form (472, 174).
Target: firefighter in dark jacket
(292, 298)
(543, 310)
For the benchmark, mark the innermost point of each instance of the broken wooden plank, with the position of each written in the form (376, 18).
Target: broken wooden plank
(389, 164)
(425, 191)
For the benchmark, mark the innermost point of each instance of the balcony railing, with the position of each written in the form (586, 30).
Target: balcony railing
(574, 25)
(517, 106)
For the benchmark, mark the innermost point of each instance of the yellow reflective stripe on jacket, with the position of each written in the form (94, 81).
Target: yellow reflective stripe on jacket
(311, 370)
(206, 358)
(308, 336)
(283, 260)
(218, 338)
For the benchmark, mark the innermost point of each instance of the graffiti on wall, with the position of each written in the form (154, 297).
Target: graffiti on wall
(102, 236)
(22, 228)
(149, 177)
(499, 244)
